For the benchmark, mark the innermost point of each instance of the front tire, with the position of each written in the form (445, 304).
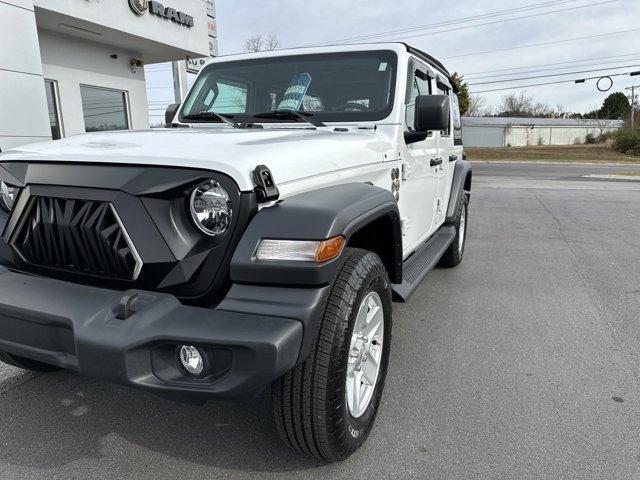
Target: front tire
(26, 363)
(350, 357)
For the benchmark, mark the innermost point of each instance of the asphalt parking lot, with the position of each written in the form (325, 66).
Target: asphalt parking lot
(521, 363)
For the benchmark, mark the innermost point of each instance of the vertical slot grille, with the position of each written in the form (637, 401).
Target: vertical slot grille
(76, 235)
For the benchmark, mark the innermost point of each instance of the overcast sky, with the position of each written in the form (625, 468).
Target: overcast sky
(298, 23)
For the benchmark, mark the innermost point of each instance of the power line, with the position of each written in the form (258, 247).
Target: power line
(554, 71)
(452, 21)
(505, 20)
(552, 75)
(555, 42)
(548, 83)
(477, 74)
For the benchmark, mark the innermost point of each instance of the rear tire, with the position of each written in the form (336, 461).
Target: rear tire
(26, 364)
(312, 412)
(453, 256)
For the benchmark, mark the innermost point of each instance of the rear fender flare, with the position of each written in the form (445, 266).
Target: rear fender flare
(460, 184)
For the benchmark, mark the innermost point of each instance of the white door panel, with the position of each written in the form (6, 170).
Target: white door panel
(418, 192)
(445, 145)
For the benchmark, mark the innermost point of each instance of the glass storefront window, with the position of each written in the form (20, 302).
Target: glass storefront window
(52, 107)
(104, 109)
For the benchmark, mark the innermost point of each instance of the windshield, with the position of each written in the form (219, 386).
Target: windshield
(335, 87)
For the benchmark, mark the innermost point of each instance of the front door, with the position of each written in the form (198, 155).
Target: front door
(419, 179)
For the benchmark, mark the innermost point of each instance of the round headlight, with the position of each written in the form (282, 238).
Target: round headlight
(7, 195)
(211, 208)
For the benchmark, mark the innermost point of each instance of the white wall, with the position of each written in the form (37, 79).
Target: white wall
(483, 136)
(23, 104)
(118, 22)
(72, 62)
(523, 136)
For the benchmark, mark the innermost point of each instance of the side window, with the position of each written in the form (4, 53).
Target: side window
(231, 97)
(457, 121)
(445, 90)
(421, 85)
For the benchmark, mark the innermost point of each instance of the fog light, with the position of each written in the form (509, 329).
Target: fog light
(191, 360)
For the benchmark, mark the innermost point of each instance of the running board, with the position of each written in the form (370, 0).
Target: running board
(416, 267)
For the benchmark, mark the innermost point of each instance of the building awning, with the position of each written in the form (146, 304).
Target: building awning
(150, 38)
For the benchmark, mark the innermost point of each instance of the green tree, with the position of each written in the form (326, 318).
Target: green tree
(463, 92)
(616, 106)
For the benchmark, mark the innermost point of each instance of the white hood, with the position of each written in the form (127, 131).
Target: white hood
(292, 154)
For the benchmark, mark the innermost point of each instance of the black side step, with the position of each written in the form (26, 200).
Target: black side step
(416, 267)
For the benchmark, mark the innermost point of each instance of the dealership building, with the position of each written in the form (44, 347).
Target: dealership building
(73, 66)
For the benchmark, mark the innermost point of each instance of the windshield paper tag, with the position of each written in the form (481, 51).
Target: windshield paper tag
(294, 95)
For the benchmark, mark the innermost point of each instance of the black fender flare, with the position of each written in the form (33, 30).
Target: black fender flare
(459, 186)
(316, 215)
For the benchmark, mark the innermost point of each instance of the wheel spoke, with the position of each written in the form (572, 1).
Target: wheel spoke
(370, 369)
(356, 392)
(375, 325)
(373, 311)
(360, 323)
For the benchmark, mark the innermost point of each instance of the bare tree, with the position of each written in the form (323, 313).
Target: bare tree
(522, 105)
(476, 105)
(253, 44)
(488, 112)
(515, 105)
(272, 43)
(541, 110)
(258, 44)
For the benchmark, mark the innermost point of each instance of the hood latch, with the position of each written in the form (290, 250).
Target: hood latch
(266, 189)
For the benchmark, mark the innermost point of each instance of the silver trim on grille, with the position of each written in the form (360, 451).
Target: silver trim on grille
(132, 247)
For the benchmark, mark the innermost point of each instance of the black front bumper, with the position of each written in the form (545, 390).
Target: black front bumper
(77, 327)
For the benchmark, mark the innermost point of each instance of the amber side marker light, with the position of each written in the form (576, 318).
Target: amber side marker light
(317, 251)
(329, 249)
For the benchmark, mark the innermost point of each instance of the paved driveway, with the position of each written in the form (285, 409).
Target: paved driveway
(521, 363)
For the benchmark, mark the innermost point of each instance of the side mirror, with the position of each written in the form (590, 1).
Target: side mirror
(170, 113)
(431, 113)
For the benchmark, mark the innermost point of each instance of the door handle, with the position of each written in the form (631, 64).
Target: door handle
(436, 161)
(453, 158)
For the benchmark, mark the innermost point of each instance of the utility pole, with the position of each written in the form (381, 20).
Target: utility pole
(633, 103)
(633, 106)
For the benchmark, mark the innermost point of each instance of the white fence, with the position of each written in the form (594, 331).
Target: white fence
(523, 132)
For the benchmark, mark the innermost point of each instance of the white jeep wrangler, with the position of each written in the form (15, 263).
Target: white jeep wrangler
(258, 241)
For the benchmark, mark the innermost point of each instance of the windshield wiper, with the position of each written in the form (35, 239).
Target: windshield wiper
(207, 115)
(286, 114)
